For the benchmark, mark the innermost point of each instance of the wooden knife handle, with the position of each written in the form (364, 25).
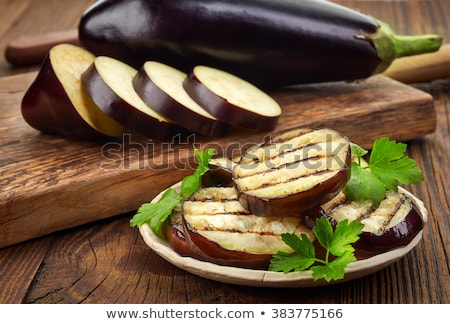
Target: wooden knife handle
(421, 68)
(31, 50)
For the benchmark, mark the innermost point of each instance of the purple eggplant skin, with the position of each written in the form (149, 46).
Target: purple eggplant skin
(268, 43)
(369, 243)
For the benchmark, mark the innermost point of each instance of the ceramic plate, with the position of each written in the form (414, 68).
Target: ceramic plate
(261, 278)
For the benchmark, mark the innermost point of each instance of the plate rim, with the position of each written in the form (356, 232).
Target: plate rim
(265, 278)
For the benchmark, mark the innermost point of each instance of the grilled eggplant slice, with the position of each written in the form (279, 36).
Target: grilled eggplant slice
(222, 231)
(220, 173)
(293, 171)
(391, 224)
(175, 234)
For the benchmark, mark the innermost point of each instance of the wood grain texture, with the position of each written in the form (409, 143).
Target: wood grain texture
(421, 68)
(29, 17)
(107, 261)
(51, 183)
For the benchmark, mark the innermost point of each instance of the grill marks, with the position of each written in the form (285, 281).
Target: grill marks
(376, 219)
(216, 214)
(293, 163)
(395, 222)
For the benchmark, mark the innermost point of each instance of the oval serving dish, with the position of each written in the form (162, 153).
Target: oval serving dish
(262, 278)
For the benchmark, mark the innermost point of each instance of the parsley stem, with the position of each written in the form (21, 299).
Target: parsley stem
(321, 261)
(327, 255)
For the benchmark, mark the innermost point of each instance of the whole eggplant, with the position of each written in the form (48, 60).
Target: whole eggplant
(270, 43)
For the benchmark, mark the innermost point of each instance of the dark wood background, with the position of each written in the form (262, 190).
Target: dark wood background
(108, 262)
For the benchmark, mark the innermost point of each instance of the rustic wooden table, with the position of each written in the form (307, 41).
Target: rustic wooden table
(108, 262)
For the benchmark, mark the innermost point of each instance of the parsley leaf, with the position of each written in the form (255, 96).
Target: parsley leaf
(344, 236)
(391, 166)
(363, 185)
(193, 182)
(155, 214)
(336, 243)
(386, 169)
(302, 259)
(357, 151)
(334, 270)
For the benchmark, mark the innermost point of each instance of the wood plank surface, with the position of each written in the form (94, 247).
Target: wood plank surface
(29, 17)
(51, 183)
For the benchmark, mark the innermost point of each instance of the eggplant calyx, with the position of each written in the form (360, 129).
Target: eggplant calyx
(390, 46)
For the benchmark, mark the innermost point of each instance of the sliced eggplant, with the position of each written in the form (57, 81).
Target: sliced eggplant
(232, 99)
(110, 84)
(391, 224)
(175, 234)
(161, 87)
(57, 103)
(222, 231)
(293, 171)
(220, 173)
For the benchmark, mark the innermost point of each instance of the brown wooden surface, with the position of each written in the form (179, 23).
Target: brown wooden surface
(107, 262)
(50, 183)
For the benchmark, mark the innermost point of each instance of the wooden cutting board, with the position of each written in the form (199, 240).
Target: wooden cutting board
(50, 183)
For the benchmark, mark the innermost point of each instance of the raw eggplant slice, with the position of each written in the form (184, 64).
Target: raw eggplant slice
(232, 99)
(391, 224)
(161, 87)
(222, 231)
(293, 171)
(109, 82)
(56, 102)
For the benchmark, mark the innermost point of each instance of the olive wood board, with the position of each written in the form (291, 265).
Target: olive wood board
(51, 183)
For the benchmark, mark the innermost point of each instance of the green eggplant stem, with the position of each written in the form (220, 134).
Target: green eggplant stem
(390, 46)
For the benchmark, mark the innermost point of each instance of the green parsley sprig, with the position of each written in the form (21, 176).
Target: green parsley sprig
(387, 168)
(155, 214)
(337, 243)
